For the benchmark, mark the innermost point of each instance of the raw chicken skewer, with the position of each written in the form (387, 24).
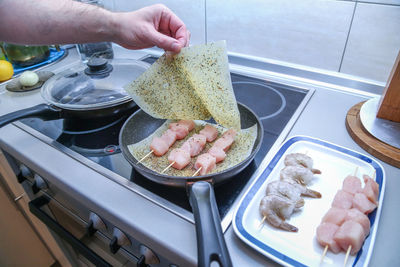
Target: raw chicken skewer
(179, 158)
(178, 130)
(349, 248)
(207, 162)
(332, 231)
(346, 227)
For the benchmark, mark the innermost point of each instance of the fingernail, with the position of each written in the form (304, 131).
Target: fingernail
(176, 46)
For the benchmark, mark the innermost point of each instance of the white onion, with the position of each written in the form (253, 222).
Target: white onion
(28, 78)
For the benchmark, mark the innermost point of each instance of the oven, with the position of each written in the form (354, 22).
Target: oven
(104, 213)
(85, 238)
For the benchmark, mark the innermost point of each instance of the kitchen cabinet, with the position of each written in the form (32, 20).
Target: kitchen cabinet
(24, 240)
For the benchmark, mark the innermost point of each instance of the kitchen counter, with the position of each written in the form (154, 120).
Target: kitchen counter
(323, 117)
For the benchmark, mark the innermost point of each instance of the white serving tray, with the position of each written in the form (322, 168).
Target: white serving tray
(302, 248)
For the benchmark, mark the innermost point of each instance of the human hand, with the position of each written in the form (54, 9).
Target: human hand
(151, 26)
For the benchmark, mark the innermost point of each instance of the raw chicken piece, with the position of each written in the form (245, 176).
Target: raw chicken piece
(276, 209)
(210, 132)
(301, 159)
(226, 140)
(180, 157)
(343, 200)
(362, 203)
(180, 130)
(297, 173)
(159, 146)
(361, 218)
(169, 137)
(195, 144)
(335, 215)
(352, 184)
(371, 189)
(189, 124)
(218, 153)
(325, 234)
(206, 162)
(350, 233)
(287, 190)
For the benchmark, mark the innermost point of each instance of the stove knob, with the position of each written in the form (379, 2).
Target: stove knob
(38, 184)
(24, 173)
(148, 255)
(95, 223)
(119, 239)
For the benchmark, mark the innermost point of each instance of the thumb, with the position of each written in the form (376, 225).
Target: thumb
(165, 42)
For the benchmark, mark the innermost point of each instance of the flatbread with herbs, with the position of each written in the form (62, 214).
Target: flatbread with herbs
(194, 84)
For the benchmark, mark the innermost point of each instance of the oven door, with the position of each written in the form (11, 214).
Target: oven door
(83, 249)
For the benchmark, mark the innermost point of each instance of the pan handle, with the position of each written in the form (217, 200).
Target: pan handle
(211, 244)
(42, 111)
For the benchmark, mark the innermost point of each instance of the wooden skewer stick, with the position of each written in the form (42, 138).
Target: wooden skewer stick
(355, 171)
(169, 166)
(347, 256)
(323, 254)
(148, 154)
(262, 222)
(198, 170)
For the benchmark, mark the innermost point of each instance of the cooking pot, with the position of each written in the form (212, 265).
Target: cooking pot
(84, 93)
(25, 55)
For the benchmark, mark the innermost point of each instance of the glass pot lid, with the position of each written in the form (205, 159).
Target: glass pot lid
(97, 84)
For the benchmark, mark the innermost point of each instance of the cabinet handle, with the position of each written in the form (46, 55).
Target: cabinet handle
(34, 207)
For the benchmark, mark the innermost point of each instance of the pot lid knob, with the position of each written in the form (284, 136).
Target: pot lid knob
(98, 66)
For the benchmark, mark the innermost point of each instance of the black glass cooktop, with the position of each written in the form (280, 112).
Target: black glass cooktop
(274, 103)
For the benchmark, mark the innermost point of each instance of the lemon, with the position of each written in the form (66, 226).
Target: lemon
(6, 70)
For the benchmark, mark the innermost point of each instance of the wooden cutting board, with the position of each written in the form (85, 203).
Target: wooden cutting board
(368, 142)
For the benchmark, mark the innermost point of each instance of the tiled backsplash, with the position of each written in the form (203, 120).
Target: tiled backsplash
(360, 38)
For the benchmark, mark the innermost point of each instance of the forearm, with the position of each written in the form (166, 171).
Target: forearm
(54, 22)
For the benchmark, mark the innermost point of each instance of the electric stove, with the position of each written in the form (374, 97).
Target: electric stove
(275, 104)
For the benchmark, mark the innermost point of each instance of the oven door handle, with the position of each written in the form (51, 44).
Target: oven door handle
(34, 207)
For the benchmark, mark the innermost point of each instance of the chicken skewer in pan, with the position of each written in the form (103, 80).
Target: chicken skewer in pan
(206, 162)
(179, 158)
(177, 131)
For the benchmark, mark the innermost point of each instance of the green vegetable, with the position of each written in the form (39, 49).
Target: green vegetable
(28, 78)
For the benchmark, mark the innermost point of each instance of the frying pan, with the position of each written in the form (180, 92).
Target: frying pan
(85, 93)
(210, 240)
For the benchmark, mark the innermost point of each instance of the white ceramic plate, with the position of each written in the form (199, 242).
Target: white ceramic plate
(302, 248)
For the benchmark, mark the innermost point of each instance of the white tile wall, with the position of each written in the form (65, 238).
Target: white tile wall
(306, 32)
(390, 2)
(374, 41)
(192, 12)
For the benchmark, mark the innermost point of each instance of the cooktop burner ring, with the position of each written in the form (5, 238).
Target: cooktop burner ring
(270, 89)
(95, 130)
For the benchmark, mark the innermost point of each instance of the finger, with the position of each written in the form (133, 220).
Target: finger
(187, 38)
(165, 42)
(171, 23)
